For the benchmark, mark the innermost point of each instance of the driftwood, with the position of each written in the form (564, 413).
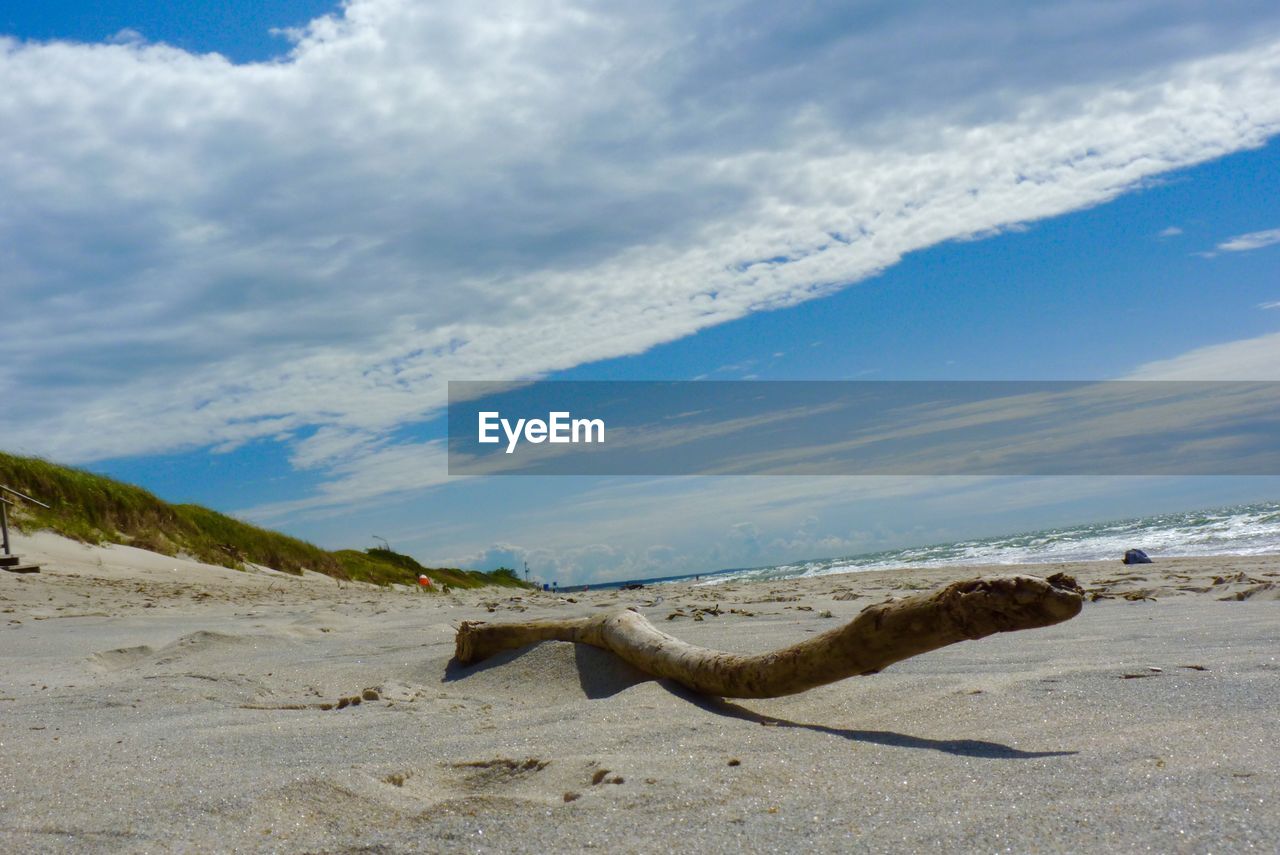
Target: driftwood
(879, 636)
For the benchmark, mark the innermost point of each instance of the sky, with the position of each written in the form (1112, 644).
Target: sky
(244, 247)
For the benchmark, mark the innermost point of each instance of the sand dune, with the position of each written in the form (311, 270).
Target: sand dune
(150, 704)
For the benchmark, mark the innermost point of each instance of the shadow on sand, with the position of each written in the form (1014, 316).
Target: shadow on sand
(602, 675)
(957, 747)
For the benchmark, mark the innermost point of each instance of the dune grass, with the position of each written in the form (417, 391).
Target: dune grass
(95, 509)
(384, 566)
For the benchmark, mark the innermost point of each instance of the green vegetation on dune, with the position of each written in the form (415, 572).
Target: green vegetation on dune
(96, 509)
(383, 566)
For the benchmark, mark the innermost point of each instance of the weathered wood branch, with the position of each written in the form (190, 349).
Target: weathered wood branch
(881, 635)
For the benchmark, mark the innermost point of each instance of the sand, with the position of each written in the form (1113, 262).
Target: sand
(151, 704)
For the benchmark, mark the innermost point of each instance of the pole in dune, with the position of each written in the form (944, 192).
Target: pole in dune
(4, 524)
(879, 636)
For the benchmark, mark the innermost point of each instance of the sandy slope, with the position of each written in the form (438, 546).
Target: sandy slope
(148, 704)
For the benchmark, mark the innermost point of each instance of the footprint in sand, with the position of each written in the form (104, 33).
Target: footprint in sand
(121, 657)
(200, 642)
(498, 772)
(186, 646)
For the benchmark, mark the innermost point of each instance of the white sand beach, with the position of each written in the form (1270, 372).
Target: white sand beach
(151, 704)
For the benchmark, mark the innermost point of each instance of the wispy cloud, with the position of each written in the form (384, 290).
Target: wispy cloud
(1245, 359)
(1171, 231)
(1252, 240)
(127, 36)
(204, 253)
(364, 473)
(1272, 305)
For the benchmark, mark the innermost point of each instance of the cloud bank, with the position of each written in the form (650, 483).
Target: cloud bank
(197, 253)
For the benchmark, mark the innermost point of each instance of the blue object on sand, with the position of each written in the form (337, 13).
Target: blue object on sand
(1136, 556)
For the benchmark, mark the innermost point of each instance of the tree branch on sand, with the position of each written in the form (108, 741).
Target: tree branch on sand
(881, 635)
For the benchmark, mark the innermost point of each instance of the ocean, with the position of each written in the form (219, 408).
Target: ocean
(1238, 530)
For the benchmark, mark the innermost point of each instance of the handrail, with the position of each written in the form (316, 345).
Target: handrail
(4, 515)
(21, 496)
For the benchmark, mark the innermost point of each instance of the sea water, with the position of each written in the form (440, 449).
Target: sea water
(1238, 530)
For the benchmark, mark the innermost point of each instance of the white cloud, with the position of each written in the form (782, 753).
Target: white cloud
(202, 253)
(1171, 231)
(363, 471)
(592, 562)
(1252, 240)
(1246, 359)
(127, 36)
(1272, 305)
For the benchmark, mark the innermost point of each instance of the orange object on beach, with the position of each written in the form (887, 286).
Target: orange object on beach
(424, 581)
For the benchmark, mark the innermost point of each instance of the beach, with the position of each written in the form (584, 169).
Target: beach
(151, 704)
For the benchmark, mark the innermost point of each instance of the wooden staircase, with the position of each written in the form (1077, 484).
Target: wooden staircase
(8, 561)
(13, 564)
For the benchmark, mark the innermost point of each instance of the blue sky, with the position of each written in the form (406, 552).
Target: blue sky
(241, 30)
(246, 262)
